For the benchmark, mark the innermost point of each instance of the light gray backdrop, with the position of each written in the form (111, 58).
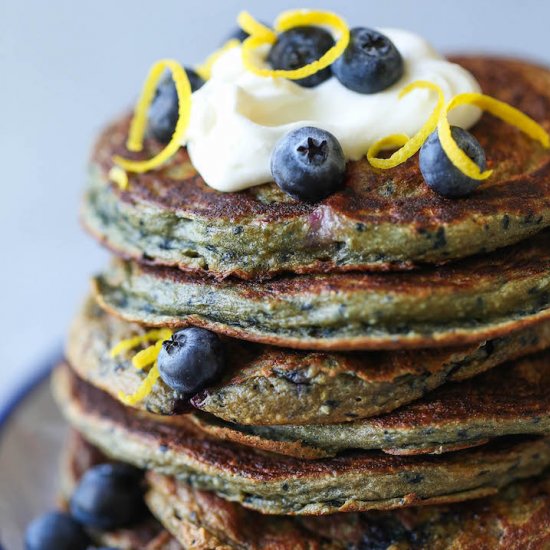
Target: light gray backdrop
(66, 66)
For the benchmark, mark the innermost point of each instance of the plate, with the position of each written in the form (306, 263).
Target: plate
(32, 433)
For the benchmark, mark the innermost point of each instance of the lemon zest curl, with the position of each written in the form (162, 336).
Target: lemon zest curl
(139, 120)
(119, 176)
(260, 37)
(147, 356)
(407, 146)
(135, 341)
(144, 389)
(253, 27)
(497, 108)
(141, 360)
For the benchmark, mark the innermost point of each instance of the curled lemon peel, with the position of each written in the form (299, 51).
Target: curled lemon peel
(253, 27)
(284, 22)
(135, 341)
(502, 110)
(392, 141)
(147, 356)
(119, 176)
(407, 146)
(139, 121)
(141, 360)
(144, 389)
(205, 69)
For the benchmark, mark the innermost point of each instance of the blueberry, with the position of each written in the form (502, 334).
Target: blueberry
(108, 496)
(300, 46)
(191, 359)
(440, 173)
(371, 62)
(55, 531)
(308, 163)
(163, 114)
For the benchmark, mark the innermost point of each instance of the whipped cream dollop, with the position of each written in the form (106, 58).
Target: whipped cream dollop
(237, 117)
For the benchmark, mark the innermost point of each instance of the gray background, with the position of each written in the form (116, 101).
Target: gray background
(66, 66)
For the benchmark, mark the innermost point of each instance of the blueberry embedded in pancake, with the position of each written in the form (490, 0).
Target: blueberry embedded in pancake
(269, 386)
(381, 219)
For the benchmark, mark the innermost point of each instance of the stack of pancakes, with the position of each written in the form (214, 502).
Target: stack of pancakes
(387, 350)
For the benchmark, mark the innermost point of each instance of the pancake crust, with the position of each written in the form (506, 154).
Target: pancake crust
(381, 219)
(277, 484)
(515, 519)
(510, 400)
(269, 386)
(477, 299)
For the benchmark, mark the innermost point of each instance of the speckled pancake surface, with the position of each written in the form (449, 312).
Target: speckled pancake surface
(381, 219)
(277, 484)
(518, 517)
(483, 297)
(512, 399)
(268, 386)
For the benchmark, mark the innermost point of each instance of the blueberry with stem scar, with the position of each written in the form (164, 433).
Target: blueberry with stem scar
(190, 360)
(371, 62)
(440, 174)
(301, 46)
(309, 164)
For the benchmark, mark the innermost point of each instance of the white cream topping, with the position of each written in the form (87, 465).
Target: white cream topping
(238, 117)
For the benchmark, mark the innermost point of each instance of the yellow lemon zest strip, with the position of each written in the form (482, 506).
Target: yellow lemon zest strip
(286, 21)
(144, 389)
(410, 146)
(252, 27)
(139, 121)
(502, 110)
(392, 141)
(134, 342)
(147, 356)
(205, 69)
(119, 176)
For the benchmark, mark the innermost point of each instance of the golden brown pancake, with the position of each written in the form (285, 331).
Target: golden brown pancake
(263, 385)
(511, 399)
(518, 517)
(480, 298)
(381, 219)
(277, 484)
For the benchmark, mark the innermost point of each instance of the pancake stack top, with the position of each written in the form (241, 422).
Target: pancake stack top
(381, 348)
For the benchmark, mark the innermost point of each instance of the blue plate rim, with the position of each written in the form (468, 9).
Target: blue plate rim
(22, 391)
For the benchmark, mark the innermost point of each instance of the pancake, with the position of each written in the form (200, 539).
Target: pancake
(148, 534)
(275, 484)
(477, 299)
(518, 517)
(515, 519)
(381, 219)
(267, 386)
(509, 400)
